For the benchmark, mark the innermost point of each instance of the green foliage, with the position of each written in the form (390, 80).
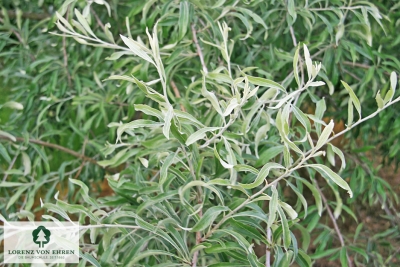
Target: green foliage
(213, 122)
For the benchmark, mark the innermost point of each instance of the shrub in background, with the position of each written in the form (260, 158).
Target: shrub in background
(211, 121)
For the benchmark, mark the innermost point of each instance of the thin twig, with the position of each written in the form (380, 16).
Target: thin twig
(353, 64)
(199, 201)
(97, 19)
(64, 48)
(219, 134)
(55, 146)
(26, 15)
(301, 71)
(362, 120)
(268, 249)
(18, 36)
(177, 94)
(196, 253)
(335, 226)
(83, 227)
(333, 9)
(83, 161)
(351, 74)
(10, 167)
(293, 36)
(198, 48)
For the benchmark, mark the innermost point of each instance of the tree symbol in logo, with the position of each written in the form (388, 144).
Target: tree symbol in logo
(41, 236)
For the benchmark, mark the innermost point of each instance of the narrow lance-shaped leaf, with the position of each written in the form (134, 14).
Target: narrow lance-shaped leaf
(262, 175)
(339, 201)
(261, 133)
(233, 103)
(223, 163)
(136, 124)
(208, 218)
(339, 33)
(282, 125)
(350, 113)
(200, 134)
(136, 49)
(164, 169)
(9, 136)
(295, 67)
(199, 183)
(253, 15)
(315, 84)
(300, 196)
(324, 135)
(308, 61)
(289, 210)
(148, 110)
(379, 100)
(344, 257)
(184, 17)
(265, 82)
(329, 174)
(273, 206)
(353, 97)
(292, 10)
(84, 23)
(210, 96)
(167, 121)
(340, 154)
(393, 80)
(314, 191)
(319, 113)
(13, 105)
(107, 32)
(285, 227)
(239, 238)
(85, 192)
(302, 118)
(26, 161)
(64, 21)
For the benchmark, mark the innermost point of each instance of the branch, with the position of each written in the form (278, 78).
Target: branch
(64, 48)
(55, 146)
(199, 201)
(198, 48)
(10, 167)
(361, 120)
(268, 249)
(219, 134)
(83, 162)
(176, 92)
(363, 66)
(332, 217)
(293, 36)
(26, 15)
(97, 19)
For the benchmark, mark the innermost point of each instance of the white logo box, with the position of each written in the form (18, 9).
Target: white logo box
(41, 242)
